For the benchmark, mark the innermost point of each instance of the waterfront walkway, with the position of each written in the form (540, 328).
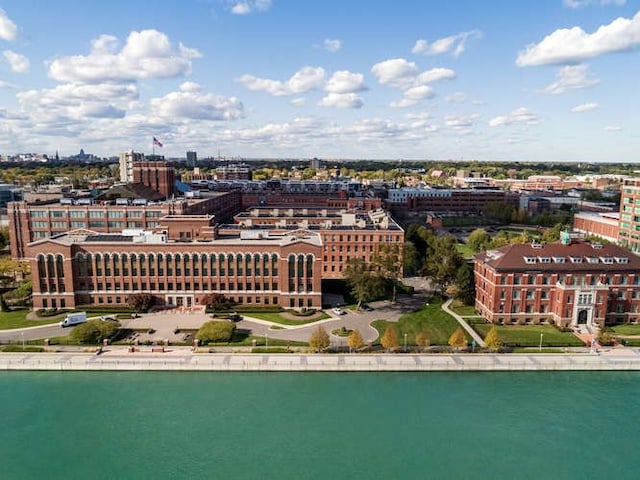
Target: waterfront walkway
(185, 360)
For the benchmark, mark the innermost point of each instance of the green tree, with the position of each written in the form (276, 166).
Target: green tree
(479, 240)
(423, 340)
(140, 302)
(411, 260)
(364, 280)
(319, 339)
(355, 340)
(466, 284)
(215, 331)
(442, 265)
(458, 339)
(605, 338)
(94, 331)
(493, 340)
(387, 262)
(389, 339)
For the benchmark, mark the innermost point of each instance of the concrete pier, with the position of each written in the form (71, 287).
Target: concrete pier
(229, 362)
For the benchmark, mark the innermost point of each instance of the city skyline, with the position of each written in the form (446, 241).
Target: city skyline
(543, 81)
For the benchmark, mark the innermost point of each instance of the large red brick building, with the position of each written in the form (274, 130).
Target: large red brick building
(572, 283)
(79, 268)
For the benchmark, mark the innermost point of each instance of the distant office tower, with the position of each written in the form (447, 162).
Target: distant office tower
(630, 214)
(192, 158)
(126, 165)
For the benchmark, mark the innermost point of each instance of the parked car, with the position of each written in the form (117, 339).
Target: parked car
(112, 318)
(338, 311)
(366, 308)
(235, 317)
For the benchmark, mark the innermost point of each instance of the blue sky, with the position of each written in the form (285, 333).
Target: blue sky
(550, 80)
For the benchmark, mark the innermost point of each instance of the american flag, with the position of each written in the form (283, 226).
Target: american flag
(157, 142)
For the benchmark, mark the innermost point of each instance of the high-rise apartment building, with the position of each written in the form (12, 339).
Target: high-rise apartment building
(127, 160)
(629, 235)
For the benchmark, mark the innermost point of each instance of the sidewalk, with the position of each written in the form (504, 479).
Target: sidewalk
(478, 339)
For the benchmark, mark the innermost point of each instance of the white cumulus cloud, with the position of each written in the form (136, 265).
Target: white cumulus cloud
(585, 107)
(305, 79)
(8, 29)
(520, 115)
(454, 44)
(344, 81)
(332, 44)
(191, 103)
(341, 100)
(612, 128)
(456, 97)
(245, 7)
(406, 76)
(571, 77)
(573, 45)
(146, 54)
(18, 63)
(586, 3)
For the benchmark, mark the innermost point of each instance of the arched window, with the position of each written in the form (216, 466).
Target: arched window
(50, 266)
(151, 259)
(107, 265)
(42, 271)
(256, 264)
(230, 263)
(177, 264)
(204, 265)
(89, 260)
(239, 264)
(222, 264)
(309, 266)
(300, 266)
(134, 264)
(98, 263)
(186, 261)
(248, 264)
(143, 264)
(195, 261)
(213, 265)
(169, 264)
(292, 266)
(116, 264)
(274, 264)
(124, 261)
(160, 263)
(265, 264)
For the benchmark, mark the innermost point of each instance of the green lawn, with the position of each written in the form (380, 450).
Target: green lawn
(529, 335)
(627, 329)
(17, 319)
(278, 318)
(465, 250)
(463, 310)
(430, 319)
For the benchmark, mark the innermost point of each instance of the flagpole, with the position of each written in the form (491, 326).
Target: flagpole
(153, 148)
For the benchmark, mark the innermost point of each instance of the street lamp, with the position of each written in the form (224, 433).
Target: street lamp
(405, 343)
(540, 348)
(22, 335)
(266, 342)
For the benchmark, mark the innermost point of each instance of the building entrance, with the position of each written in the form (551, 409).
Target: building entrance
(583, 317)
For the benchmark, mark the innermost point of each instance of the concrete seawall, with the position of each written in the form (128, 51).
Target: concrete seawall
(314, 363)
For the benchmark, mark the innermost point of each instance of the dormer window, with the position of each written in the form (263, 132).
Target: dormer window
(622, 259)
(597, 246)
(592, 260)
(529, 260)
(575, 259)
(536, 245)
(544, 259)
(558, 259)
(607, 260)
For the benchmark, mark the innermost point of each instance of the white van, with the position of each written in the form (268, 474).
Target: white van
(74, 319)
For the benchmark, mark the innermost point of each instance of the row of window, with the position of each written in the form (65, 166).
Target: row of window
(173, 286)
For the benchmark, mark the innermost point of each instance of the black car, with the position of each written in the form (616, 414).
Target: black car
(235, 317)
(366, 308)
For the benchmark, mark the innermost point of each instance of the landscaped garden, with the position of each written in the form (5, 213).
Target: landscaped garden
(430, 319)
(285, 318)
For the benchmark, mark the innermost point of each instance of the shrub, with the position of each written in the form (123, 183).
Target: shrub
(94, 331)
(215, 331)
(270, 350)
(605, 338)
(19, 348)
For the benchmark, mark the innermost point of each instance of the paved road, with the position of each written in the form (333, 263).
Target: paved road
(33, 333)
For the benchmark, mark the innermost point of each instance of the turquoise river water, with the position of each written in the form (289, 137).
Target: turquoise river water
(120, 425)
